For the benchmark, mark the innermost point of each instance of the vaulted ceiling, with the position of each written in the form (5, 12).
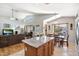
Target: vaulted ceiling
(23, 9)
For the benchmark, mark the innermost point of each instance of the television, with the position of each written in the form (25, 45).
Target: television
(7, 31)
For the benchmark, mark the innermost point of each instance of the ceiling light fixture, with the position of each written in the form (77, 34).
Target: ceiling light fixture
(12, 17)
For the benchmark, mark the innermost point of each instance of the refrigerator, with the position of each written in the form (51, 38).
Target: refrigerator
(77, 30)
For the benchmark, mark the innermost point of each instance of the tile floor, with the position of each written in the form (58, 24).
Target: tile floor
(71, 50)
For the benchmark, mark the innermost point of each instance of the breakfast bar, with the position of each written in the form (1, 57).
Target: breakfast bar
(39, 46)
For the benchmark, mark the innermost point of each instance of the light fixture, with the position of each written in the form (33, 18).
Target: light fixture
(12, 17)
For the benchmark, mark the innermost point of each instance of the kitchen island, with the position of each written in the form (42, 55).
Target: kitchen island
(39, 46)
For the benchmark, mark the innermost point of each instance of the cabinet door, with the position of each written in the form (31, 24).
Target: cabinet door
(50, 47)
(40, 51)
(46, 49)
(30, 51)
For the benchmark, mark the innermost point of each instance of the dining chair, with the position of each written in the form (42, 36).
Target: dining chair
(56, 40)
(65, 41)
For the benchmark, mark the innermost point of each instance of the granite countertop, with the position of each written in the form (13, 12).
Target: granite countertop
(37, 41)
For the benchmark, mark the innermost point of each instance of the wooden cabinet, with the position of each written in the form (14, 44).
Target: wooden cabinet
(44, 50)
(30, 51)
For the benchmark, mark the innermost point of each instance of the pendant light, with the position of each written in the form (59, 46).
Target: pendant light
(12, 17)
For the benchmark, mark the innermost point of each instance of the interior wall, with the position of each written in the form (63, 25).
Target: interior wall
(65, 19)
